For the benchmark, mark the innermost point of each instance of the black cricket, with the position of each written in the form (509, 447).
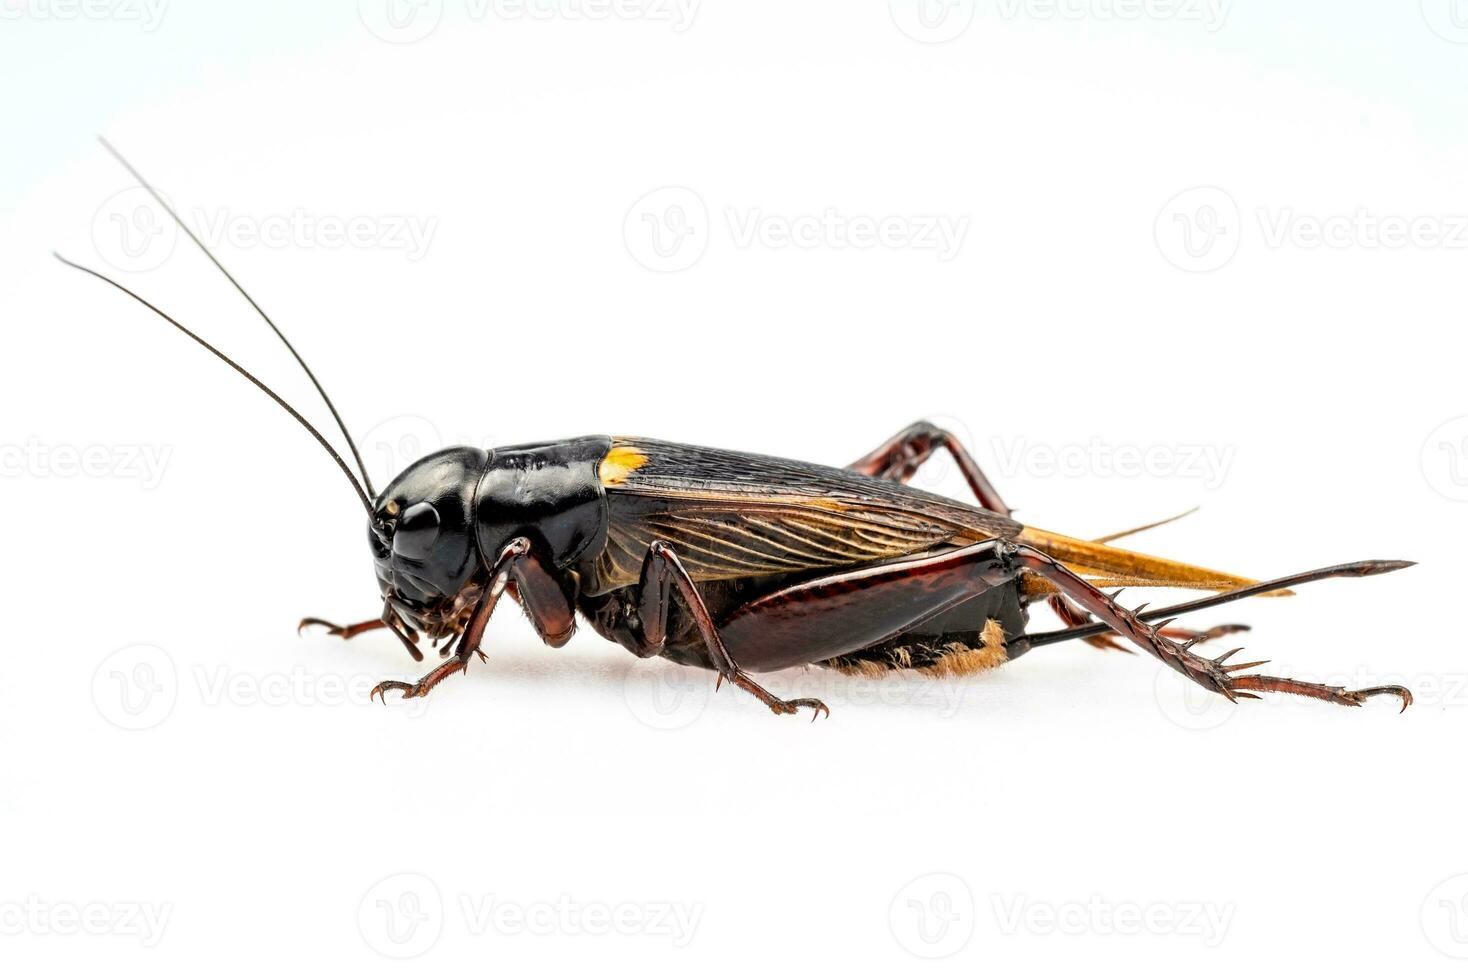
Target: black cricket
(741, 563)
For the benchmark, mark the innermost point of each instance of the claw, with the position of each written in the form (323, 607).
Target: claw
(793, 707)
(1392, 689)
(331, 628)
(380, 691)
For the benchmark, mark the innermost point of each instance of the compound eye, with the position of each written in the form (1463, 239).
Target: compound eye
(416, 531)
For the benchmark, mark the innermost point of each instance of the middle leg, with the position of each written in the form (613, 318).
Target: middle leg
(662, 573)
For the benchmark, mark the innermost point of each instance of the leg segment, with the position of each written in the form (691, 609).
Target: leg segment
(345, 632)
(1212, 674)
(847, 612)
(424, 684)
(1072, 616)
(662, 573)
(388, 620)
(899, 458)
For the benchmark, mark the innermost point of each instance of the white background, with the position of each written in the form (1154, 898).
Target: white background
(172, 748)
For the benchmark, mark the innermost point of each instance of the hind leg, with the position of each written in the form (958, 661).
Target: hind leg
(1072, 616)
(1212, 674)
(899, 458)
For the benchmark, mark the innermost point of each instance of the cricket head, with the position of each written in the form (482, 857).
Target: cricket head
(421, 532)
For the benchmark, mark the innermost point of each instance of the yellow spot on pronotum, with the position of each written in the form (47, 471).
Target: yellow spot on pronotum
(618, 463)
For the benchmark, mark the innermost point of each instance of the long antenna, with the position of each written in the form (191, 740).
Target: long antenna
(366, 480)
(366, 500)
